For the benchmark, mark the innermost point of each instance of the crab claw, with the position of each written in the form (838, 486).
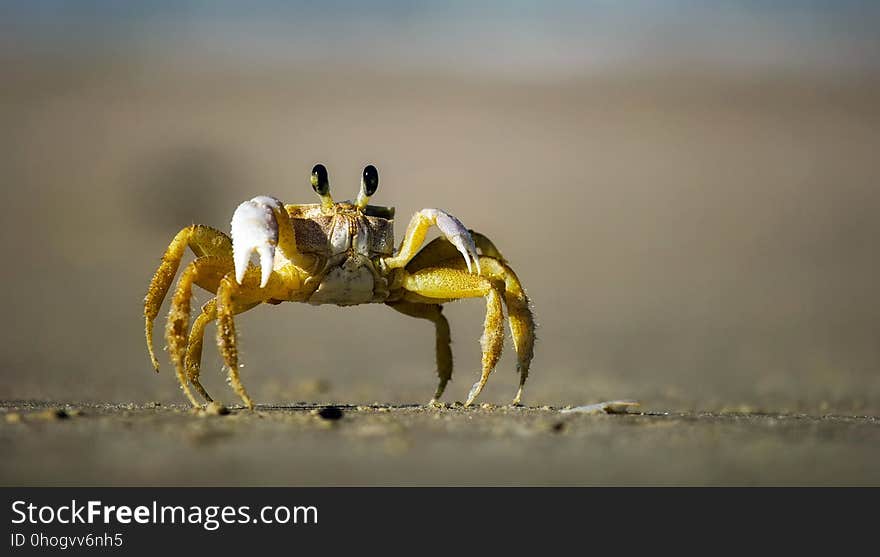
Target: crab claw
(255, 228)
(458, 235)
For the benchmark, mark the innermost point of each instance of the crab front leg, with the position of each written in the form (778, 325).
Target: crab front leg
(451, 228)
(443, 283)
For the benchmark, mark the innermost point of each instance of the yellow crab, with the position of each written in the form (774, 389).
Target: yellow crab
(335, 253)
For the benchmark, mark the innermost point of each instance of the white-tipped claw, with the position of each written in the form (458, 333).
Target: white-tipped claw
(460, 237)
(255, 229)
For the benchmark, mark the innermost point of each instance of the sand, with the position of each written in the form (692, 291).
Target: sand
(702, 242)
(293, 445)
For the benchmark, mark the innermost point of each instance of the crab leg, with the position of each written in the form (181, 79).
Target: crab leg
(233, 298)
(194, 345)
(433, 313)
(203, 240)
(196, 342)
(519, 315)
(451, 228)
(206, 271)
(260, 225)
(445, 283)
(522, 324)
(226, 339)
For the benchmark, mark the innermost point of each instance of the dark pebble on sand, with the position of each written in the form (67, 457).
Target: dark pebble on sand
(53, 414)
(331, 413)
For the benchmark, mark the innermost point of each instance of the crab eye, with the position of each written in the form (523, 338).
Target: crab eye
(371, 180)
(320, 182)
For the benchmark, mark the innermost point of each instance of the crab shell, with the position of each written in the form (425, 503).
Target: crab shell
(328, 234)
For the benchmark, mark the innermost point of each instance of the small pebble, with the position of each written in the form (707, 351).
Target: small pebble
(52, 414)
(331, 413)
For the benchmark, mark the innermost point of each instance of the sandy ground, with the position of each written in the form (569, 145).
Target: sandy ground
(704, 243)
(127, 444)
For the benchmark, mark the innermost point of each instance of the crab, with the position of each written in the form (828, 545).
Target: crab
(335, 253)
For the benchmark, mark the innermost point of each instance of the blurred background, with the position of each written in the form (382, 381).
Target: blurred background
(688, 190)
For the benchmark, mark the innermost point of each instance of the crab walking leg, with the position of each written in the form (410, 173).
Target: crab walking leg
(196, 341)
(226, 338)
(451, 228)
(206, 271)
(194, 345)
(519, 313)
(203, 240)
(445, 283)
(519, 316)
(433, 313)
(233, 298)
